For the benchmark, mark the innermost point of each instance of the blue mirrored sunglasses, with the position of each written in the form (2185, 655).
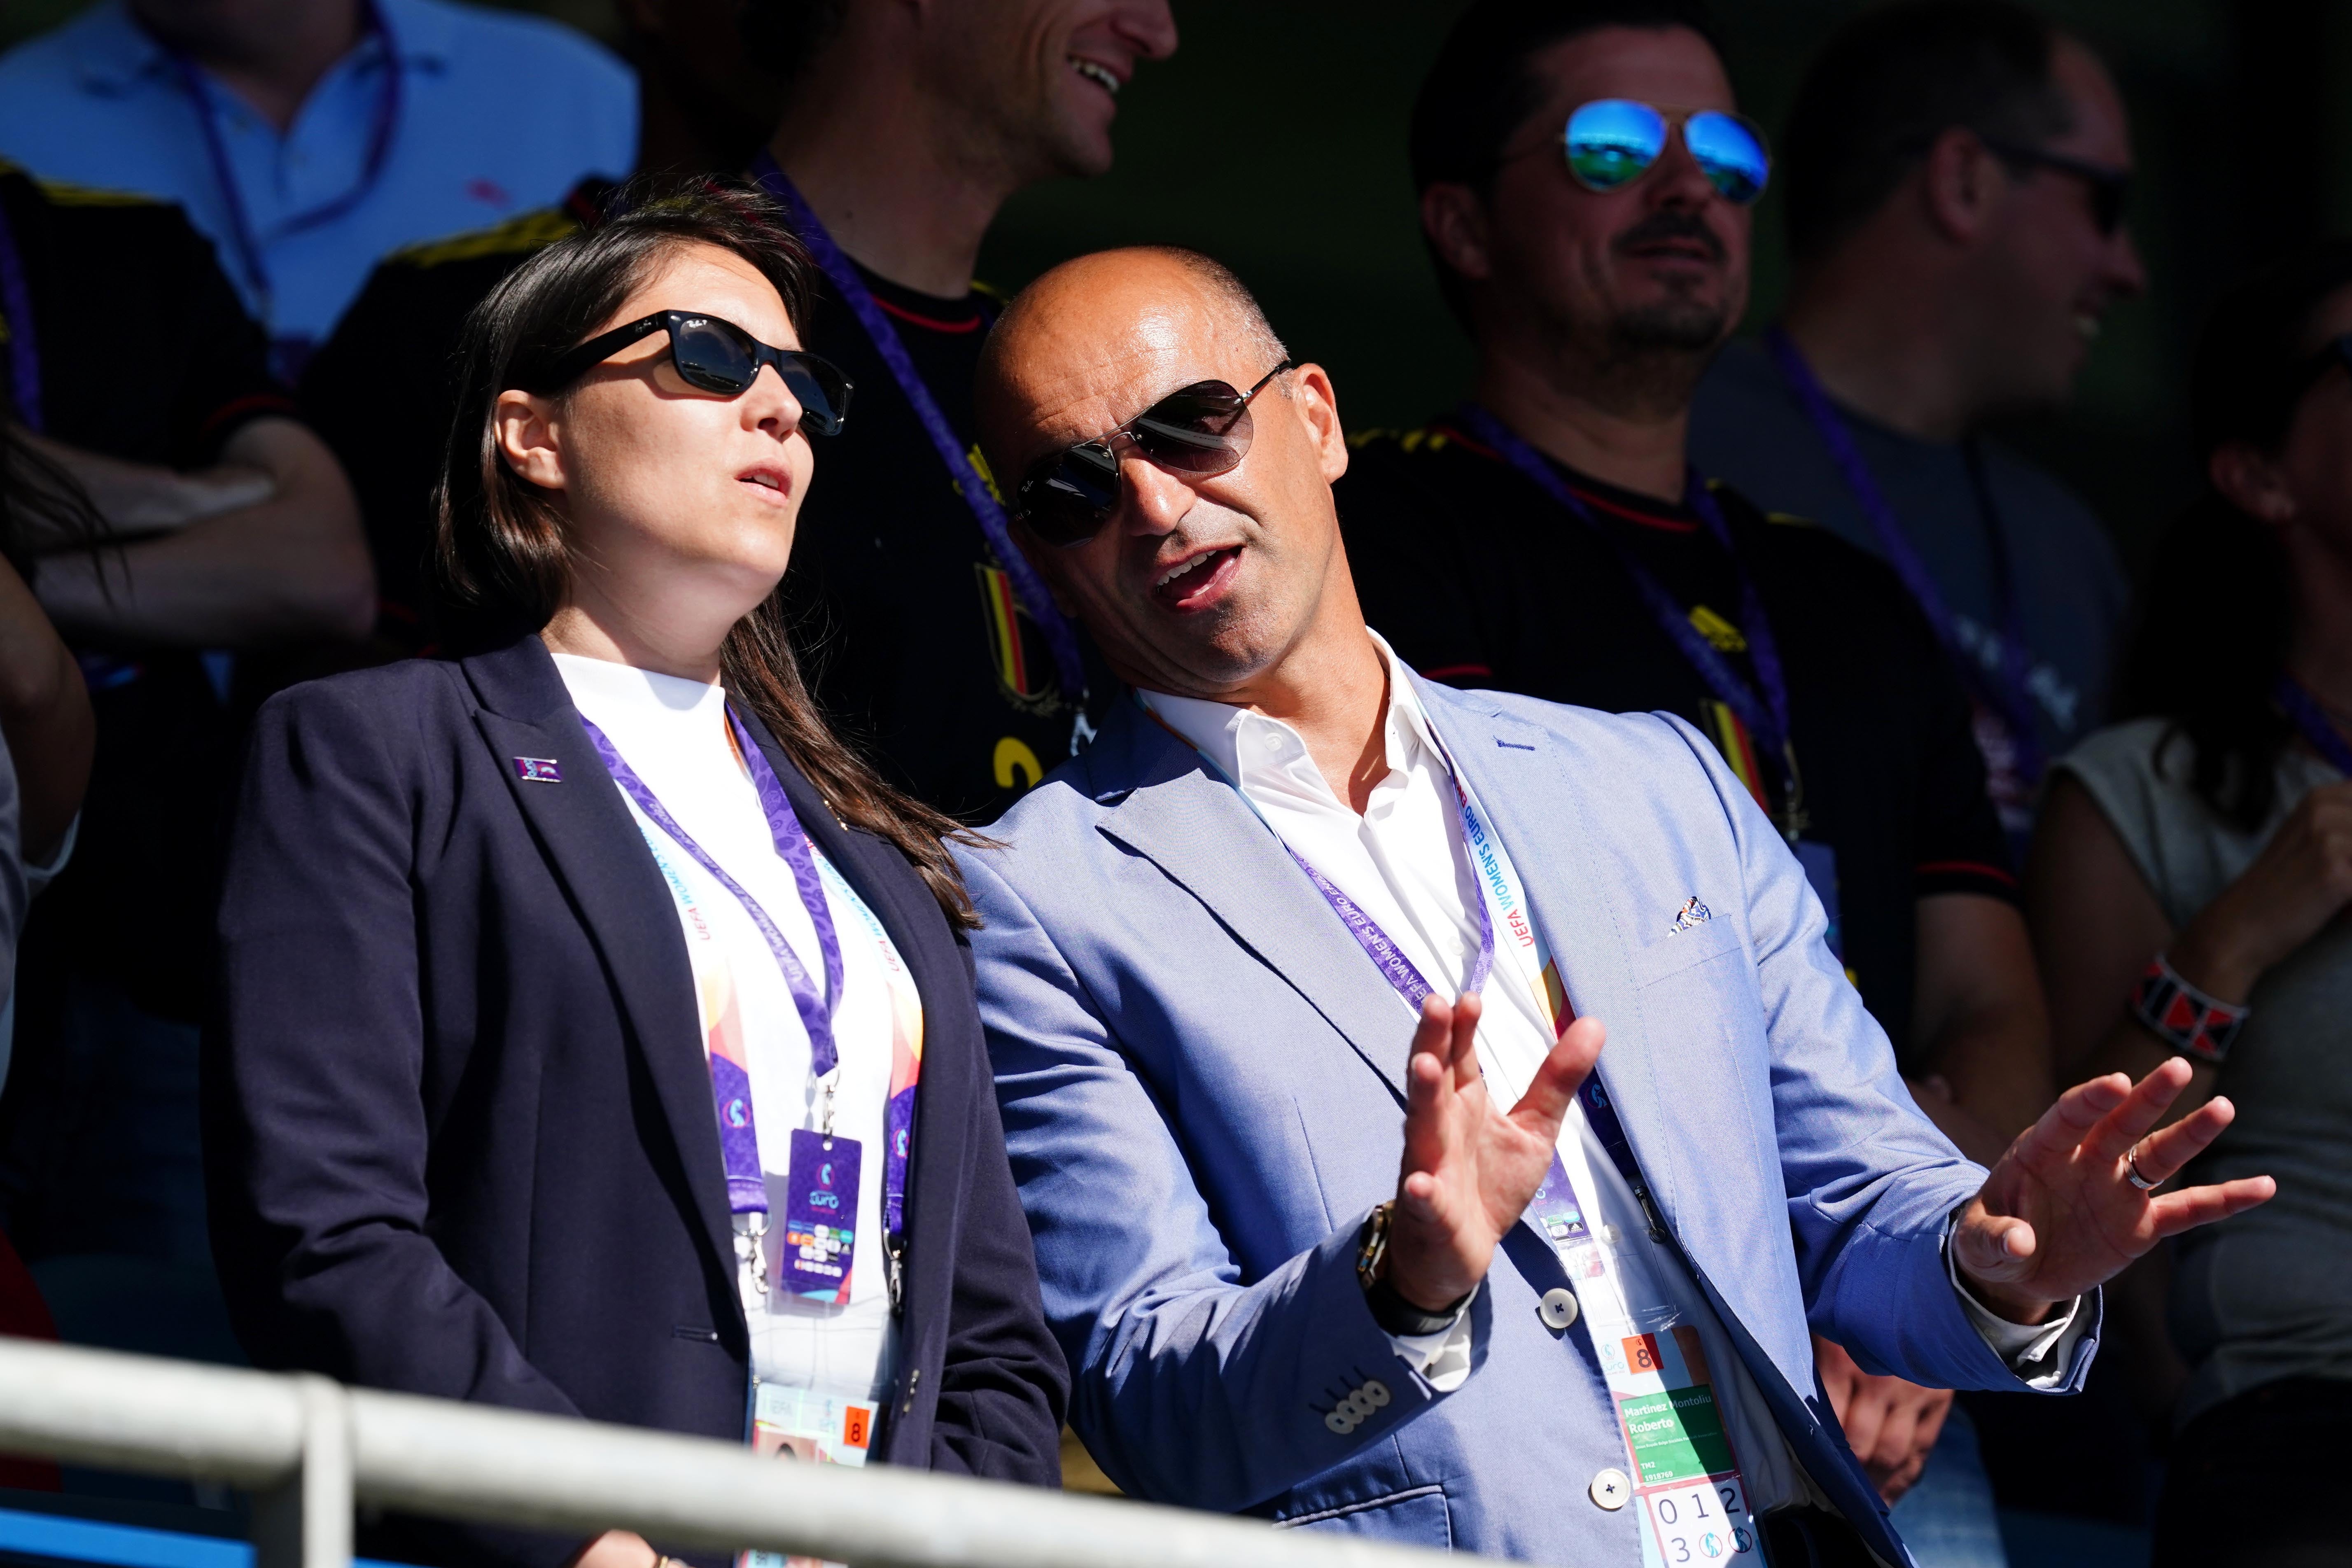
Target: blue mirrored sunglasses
(1614, 142)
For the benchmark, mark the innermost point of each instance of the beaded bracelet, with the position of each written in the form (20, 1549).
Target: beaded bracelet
(2184, 1017)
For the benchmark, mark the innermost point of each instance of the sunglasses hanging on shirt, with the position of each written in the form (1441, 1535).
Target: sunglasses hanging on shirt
(1614, 142)
(1196, 432)
(717, 356)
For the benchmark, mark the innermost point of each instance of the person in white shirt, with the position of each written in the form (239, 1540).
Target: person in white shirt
(599, 1038)
(1269, 1227)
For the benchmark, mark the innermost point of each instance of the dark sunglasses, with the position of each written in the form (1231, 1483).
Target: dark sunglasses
(1614, 142)
(1198, 431)
(716, 356)
(2109, 187)
(2305, 375)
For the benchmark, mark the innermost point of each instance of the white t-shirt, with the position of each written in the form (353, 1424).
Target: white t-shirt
(672, 733)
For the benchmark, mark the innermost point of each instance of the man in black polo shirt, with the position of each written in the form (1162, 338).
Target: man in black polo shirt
(1549, 537)
(131, 365)
(924, 634)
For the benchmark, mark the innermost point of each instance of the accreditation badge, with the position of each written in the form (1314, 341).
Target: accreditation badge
(1693, 1504)
(820, 1238)
(804, 1425)
(1684, 1472)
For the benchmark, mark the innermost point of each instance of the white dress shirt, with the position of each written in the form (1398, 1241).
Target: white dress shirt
(673, 734)
(1404, 863)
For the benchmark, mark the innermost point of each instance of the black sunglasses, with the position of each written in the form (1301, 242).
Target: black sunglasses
(1198, 431)
(2336, 350)
(717, 356)
(2109, 187)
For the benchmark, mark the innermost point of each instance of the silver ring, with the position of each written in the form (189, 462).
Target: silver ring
(2131, 1171)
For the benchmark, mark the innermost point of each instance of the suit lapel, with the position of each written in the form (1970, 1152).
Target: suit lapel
(1526, 778)
(1197, 830)
(1520, 780)
(595, 847)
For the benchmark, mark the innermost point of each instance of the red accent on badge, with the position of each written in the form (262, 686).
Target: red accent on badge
(853, 1428)
(483, 189)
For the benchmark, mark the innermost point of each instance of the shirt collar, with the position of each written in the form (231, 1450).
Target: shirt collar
(112, 53)
(1257, 753)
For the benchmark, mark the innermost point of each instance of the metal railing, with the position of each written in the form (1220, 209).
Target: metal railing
(312, 1449)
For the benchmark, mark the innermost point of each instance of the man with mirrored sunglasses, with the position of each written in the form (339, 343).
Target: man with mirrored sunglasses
(1955, 177)
(1550, 537)
(1263, 968)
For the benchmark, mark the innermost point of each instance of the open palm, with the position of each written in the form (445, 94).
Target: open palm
(1469, 1169)
(2060, 1216)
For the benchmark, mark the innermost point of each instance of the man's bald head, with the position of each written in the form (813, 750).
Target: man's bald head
(1198, 585)
(1074, 311)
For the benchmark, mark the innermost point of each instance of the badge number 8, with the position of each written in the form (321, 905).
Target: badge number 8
(1704, 1522)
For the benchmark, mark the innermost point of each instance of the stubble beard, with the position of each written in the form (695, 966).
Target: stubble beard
(1647, 361)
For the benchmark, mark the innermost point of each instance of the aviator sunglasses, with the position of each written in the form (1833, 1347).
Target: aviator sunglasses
(1198, 432)
(717, 356)
(1614, 142)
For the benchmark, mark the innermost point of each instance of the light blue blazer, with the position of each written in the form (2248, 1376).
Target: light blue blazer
(1202, 1080)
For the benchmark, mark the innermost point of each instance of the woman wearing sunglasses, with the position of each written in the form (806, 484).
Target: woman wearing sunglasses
(598, 1039)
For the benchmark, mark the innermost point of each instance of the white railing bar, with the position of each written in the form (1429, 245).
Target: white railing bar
(478, 1463)
(148, 1413)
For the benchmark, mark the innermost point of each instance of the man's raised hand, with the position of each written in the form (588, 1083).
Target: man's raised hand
(1470, 1170)
(2060, 1214)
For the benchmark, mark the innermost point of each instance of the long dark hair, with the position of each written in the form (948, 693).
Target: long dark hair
(2216, 618)
(500, 549)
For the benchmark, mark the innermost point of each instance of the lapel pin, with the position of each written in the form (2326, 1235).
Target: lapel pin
(538, 770)
(1690, 915)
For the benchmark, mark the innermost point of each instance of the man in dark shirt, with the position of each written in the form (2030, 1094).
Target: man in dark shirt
(1954, 173)
(1507, 591)
(923, 634)
(132, 367)
(1550, 537)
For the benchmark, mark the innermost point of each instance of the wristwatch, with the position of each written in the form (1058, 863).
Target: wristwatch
(1391, 1311)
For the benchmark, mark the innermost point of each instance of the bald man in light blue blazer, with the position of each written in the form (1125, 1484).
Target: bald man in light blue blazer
(1267, 1200)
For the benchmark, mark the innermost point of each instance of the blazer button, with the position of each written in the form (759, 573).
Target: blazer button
(1610, 1491)
(1558, 1310)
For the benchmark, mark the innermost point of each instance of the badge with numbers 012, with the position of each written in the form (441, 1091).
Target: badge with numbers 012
(1706, 1522)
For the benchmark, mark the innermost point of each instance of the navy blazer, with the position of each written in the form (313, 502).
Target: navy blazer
(458, 1126)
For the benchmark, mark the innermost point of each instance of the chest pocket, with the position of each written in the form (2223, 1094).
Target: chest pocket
(1674, 951)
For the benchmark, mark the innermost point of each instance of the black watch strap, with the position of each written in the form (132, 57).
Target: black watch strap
(1398, 1316)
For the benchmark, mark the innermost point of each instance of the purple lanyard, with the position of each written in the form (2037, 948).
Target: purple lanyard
(2313, 722)
(1409, 982)
(24, 348)
(1379, 947)
(242, 238)
(738, 1124)
(1767, 717)
(1382, 948)
(2008, 700)
(859, 297)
